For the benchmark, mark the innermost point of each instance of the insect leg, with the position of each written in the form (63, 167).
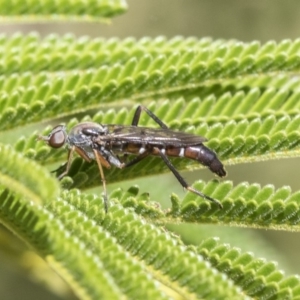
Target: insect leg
(135, 160)
(70, 156)
(98, 159)
(182, 181)
(137, 115)
(60, 169)
(68, 164)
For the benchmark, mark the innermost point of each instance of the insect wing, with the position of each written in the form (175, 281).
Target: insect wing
(158, 136)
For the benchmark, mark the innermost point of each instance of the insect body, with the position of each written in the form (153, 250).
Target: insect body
(104, 143)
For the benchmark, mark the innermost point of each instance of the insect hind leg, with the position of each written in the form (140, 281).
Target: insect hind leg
(137, 115)
(135, 160)
(182, 181)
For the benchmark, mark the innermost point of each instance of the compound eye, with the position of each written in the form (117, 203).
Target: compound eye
(57, 139)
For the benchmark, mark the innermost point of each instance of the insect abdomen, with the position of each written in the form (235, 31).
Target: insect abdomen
(200, 153)
(206, 157)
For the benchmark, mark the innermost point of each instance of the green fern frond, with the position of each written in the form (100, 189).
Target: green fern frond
(157, 250)
(143, 55)
(257, 277)
(243, 205)
(80, 239)
(45, 95)
(158, 255)
(47, 236)
(25, 177)
(88, 246)
(23, 218)
(93, 10)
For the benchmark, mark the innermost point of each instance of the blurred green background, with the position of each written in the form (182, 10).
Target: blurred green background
(232, 19)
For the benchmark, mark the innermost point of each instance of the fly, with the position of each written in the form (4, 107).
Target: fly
(104, 143)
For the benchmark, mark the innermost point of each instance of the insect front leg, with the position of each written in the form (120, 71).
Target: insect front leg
(70, 156)
(73, 149)
(100, 160)
(137, 115)
(182, 181)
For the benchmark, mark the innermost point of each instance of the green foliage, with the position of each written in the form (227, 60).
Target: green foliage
(26, 177)
(93, 10)
(257, 277)
(243, 97)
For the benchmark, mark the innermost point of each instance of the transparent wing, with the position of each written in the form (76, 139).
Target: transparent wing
(155, 136)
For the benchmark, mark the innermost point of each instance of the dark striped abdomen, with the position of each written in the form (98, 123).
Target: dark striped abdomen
(207, 158)
(202, 154)
(199, 153)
